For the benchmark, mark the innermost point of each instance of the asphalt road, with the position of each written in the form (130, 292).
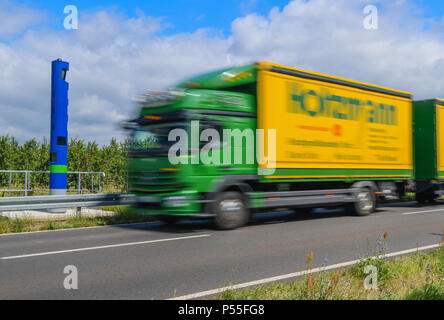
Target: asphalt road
(154, 261)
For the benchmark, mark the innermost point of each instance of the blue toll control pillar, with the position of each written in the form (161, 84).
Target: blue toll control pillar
(58, 159)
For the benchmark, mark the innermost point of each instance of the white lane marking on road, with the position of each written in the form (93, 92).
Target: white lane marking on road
(103, 247)
(294, 274)
(415, 212)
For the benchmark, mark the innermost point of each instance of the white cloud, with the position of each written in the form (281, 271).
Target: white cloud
(246, 6)
(113, 57)
(329, 37)
(16, 18)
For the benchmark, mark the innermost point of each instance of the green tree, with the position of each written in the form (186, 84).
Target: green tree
(82, 157)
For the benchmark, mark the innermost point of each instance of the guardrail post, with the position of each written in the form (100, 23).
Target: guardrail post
(78, 212)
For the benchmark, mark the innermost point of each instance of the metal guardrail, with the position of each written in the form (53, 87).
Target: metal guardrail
(27, 181)
(62, 202)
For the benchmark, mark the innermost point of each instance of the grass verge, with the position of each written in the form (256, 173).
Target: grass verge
(416, 277)
(123, 215)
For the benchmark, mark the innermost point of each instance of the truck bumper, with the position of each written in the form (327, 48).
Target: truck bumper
(153, 206)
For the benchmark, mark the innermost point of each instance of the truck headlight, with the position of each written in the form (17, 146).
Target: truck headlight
(175, 201)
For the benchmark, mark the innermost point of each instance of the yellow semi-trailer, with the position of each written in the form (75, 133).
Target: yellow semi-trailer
(332, 135)
(296, 139)
(332, 128)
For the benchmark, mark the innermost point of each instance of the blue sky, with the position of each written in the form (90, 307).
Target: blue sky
(190, 15)
(181, 15)
(432, 8)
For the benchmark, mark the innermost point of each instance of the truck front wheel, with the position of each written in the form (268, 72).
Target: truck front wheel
(231, 211)
(365, 203)
(168, 219)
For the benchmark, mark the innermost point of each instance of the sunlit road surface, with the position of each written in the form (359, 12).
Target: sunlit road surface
(155, 261)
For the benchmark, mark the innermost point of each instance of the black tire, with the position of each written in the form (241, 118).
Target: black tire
(231, 211)
(421, 198)
(365, 204)
(425, 197)
(305, 210)
(168, 219)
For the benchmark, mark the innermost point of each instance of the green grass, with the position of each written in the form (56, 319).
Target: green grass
(123, 215)
(416, 277)
(427, 292)
(15, 225)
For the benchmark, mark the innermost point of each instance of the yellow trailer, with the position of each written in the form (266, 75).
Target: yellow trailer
(333, 128)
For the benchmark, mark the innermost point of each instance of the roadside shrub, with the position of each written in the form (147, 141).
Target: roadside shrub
(429, 291)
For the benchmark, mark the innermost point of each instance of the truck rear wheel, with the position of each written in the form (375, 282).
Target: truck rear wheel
(231, 211)
(421, 198)
(425, 196)
(365, 204)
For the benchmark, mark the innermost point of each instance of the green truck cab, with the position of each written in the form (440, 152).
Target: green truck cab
(186, 189)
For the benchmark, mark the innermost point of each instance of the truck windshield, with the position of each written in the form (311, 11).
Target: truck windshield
(153, 139)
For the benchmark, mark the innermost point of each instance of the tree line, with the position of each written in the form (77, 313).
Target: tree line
(82, 157)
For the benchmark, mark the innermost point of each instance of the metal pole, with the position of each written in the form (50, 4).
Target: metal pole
(100, 183)
(92, 182)
(78, 185)
(26, 183)
(10, 183)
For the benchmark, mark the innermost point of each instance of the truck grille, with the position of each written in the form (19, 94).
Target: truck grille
(149, 206)
(152, 182)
